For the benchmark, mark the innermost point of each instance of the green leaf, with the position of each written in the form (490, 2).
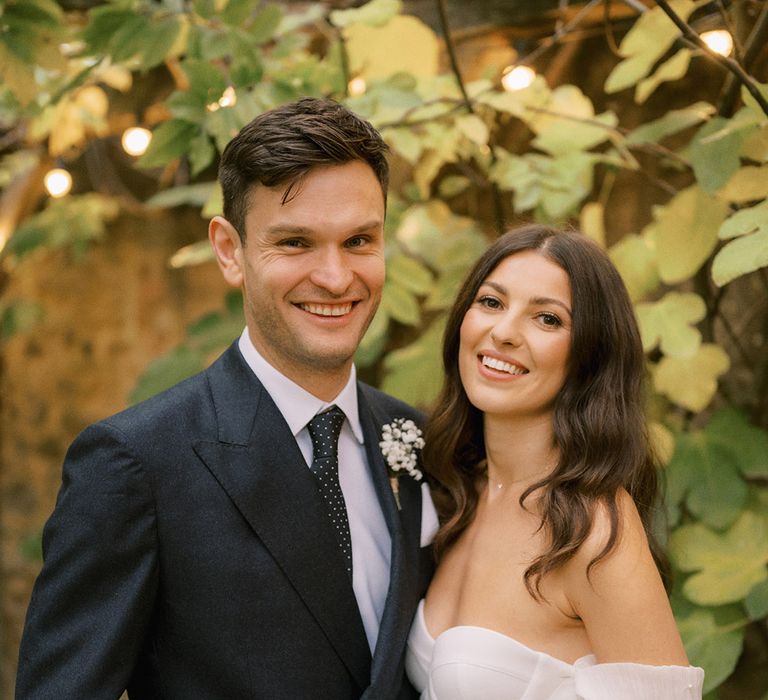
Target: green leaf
(740, 257)
(668, 322)
(415, 373)
(400, 304)
(158, 40)
(474, 128)
(635, 260)
(745, 221)
(755, 146)
(748, 444)
(727, 566)
(409, 273)
(103, 23)
(705, 474)
(374, 341)
(756, 602)
(405, 141)
(192, 254)
(18, 317)
(672, 69)
(74, 222)
(672, 122)
(645, 43)
(167, 370)
(265, 24)
(453, 185)
(714, 162)
(713, 647)
(128, 40)
(520, 102)
(748, 184)
(685, 233)
(443, 240)
(375, 13)
(691, 382)
(751, 103)
(201, 153)
(169, 141)
(237, 12)
(193, 195)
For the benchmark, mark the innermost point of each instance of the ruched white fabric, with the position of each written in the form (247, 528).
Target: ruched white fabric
(475, 663)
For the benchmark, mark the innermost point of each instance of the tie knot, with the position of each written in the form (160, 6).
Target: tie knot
(324, 430)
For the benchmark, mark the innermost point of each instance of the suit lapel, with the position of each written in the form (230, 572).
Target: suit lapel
(404, 528)
(257, 462)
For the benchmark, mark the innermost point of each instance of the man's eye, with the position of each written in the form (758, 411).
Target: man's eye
(291, 243)
(357, 242)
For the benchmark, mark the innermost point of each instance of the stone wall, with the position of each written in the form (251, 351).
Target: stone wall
(106, 315)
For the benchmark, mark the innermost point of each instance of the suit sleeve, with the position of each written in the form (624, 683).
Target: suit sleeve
(93, 599)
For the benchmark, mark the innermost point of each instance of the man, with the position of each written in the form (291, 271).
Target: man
(200, 546)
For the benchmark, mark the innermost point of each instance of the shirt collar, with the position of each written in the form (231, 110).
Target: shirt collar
(296, 404)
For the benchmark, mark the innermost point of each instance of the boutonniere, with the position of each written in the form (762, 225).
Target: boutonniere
(400, 444)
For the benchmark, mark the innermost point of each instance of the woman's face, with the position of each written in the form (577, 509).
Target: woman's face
(516, 336)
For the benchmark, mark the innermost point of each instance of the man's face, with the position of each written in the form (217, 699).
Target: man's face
(312, 270)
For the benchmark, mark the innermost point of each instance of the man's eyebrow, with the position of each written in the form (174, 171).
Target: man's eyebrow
(535, 301)
(279, 229)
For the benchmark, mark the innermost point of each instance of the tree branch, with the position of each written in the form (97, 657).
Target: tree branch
(755, 43)
(728, 63)
(498, 205)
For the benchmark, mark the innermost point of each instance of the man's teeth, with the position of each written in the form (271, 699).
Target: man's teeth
(327, 309)
(493, 363)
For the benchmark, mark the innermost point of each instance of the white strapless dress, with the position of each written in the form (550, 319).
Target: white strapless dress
(475, 663)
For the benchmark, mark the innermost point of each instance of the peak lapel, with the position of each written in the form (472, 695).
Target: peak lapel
(257, 462)
(404, 527)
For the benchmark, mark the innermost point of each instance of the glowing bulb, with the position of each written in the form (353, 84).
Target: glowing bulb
(719, 40)
(357, 86)
(58, 182)
(136, 140)
(518, 78)
(228, 99)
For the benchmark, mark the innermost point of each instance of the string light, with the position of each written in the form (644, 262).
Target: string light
(517, 78)
(356, 86)
(228, 99)
(719, 40)
(136, 140)
(58, 182)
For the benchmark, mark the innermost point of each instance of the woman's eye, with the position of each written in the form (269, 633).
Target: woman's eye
(489, 302)
(550, 320)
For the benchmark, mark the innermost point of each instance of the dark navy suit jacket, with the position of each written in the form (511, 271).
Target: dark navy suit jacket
(189, 557)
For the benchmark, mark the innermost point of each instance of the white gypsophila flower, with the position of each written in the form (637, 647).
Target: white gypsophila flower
(400, 443)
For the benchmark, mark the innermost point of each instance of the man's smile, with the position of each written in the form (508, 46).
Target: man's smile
(327, 309)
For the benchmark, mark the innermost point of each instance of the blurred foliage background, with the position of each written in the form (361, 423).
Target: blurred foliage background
(615, 116)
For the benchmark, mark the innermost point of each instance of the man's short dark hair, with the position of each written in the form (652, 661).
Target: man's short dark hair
(281, 146)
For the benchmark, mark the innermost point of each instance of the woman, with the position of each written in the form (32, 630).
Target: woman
(547, 584)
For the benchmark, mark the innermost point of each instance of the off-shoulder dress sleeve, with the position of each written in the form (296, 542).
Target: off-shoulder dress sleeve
(637, 681)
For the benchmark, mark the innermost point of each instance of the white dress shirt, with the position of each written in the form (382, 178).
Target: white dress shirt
(371, 543)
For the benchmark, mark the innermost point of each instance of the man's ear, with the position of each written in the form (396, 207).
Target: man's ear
(228, 249)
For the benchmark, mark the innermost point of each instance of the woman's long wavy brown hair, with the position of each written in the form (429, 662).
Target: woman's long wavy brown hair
(599, 418)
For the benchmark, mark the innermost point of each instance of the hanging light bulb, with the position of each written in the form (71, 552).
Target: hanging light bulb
(58, 182)
(517, 78)
(136, 140)
(719, 40)
(356, 86)
(228, 99)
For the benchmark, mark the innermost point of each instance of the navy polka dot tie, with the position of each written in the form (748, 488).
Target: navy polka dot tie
(324, 430)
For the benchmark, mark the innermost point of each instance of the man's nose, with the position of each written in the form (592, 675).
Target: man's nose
(331, 271)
